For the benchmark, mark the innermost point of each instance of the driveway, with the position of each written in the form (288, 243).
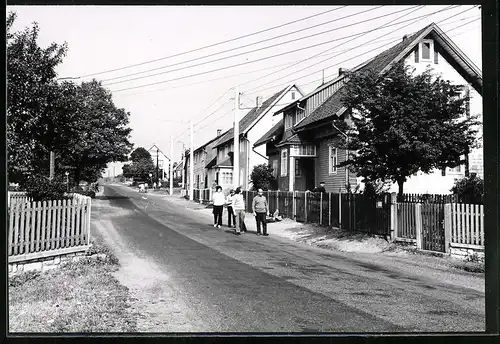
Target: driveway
(186, 275)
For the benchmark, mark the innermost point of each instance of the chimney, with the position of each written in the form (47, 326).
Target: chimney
(342, 71)
(219, 131)
(258, 101)
(405, 37)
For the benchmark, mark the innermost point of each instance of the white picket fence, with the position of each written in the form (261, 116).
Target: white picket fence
(467, 224)
(48, 228)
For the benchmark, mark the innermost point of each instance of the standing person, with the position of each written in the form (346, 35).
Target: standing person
(260, 209)
(239, 209)
(218, 200)
(320, 188)
(230, 212)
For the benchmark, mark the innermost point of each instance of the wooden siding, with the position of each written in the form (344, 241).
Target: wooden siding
(332, 181)
(318, 98)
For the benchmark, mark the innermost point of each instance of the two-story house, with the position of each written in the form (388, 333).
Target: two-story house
(304, 144)
(251, 127)
(203, 178)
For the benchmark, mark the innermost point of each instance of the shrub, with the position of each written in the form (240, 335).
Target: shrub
(89, 193)
(469, 189)
(40, 188)
(262, 177)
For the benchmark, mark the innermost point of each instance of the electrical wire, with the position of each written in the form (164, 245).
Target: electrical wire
(245, 63)
(237, 48)
(317, 55)
(335, 74)
(294, 72)
(211, 45)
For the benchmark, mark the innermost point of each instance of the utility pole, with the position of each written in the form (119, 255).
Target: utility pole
(467, 113)
(191, 164)
(171, 169)
(236, 150)
(157, 170)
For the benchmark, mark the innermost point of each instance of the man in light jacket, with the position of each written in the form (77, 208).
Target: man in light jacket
(230, 212)
(260, 209)
(239, 210)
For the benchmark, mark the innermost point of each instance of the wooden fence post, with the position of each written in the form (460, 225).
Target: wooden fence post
(418, 222)
(294, 206)
(305, 206)
(394, 217)
(340, 208)
(321, 208)
(329, 209)
(447, 227)
(89, 202)
(277, 201)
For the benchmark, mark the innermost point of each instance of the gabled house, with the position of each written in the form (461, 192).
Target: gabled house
(203, 178)
(304, 144)
(251, 127)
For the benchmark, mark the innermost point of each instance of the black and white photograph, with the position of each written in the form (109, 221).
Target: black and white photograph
(245, 169)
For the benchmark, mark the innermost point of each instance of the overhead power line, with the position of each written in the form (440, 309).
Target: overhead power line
(321, 53)
(294, 72)
(249, 62)
(211, 45)
(237, 48)
(362, 54)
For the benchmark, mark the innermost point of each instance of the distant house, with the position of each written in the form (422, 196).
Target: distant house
(161, 160)
(203, 155)
(303, 145)
(251, 127)
(178, 169)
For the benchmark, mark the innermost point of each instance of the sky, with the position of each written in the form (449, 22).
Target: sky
(188, 81)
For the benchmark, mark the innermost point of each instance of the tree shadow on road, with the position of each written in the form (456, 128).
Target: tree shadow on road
(102, 197)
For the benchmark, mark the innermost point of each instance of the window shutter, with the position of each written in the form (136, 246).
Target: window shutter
(416, 54)
(435, 56)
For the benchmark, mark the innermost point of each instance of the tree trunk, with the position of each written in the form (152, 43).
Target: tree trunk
(400, 188)
(77, 177)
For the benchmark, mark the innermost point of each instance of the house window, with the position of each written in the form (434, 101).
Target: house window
(288, 121)
(298, 170)
(332, 160)
(284, 157)
(227, 178)
(275, 168)
(426, 50)
(457, 169)
(303, 150)
(293, 95)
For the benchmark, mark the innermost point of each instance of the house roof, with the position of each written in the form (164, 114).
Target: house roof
(385, 60)
(251, 117)
(294, 139)
(271, 134)
(226, 163)
(212, 162)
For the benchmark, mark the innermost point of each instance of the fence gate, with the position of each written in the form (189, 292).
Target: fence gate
(300, 206)
(433, 227)
(313, 207)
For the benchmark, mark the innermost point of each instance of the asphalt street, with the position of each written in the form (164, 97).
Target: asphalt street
(221, 282)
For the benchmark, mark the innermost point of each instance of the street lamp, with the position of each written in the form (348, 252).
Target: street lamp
(67, 181)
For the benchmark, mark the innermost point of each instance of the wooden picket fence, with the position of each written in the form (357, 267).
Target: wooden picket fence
(48, 228)
(467, 224)
(202, 195)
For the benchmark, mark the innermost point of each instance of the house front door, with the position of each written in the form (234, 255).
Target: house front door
(308, 170)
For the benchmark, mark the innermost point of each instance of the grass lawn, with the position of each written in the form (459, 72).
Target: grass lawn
(79, 296)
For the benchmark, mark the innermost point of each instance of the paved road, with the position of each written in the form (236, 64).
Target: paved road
(217, 281)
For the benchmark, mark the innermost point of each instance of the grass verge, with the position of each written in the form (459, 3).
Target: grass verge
(81, 296)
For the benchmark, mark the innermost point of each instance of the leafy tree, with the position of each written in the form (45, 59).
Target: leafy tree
(39, 188)
(405, 123)
(142, 165)
(99, 133)
(469, 189)
(262, 177)
(31, 91)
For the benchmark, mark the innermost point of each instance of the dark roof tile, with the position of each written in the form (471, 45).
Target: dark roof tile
(276, 129)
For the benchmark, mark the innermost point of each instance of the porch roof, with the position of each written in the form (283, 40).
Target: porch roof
(212, 163)
(271, 134)
(293, 140)
(226, 163)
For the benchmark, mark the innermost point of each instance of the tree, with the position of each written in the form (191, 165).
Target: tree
(99, 133)
(142, 165)
(469, 189)
(262, 177)
(31, 90)
(405, 123)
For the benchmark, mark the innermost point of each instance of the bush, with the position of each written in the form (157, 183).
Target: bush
(40, 188)
(469, 189)
(262, 177)
(88, 193)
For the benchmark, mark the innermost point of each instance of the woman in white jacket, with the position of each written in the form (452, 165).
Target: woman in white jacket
(239, 210)
(218, 201)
